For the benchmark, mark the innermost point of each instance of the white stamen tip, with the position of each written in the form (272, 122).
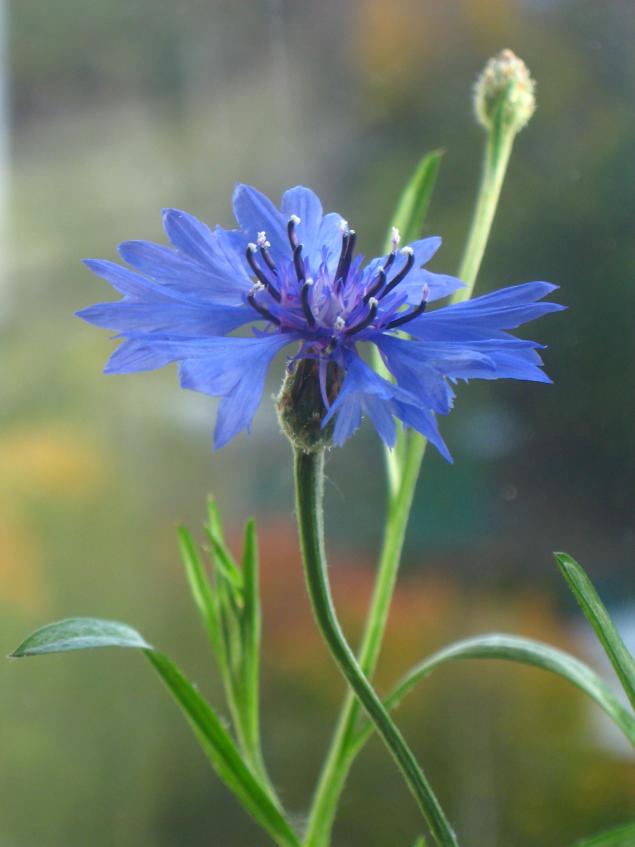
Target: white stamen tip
(261, 240)
(344, 227)
(395, 238)
(252, 247)
(426, 292)
(257, 286)
(339, 324)
(407, 251)
(373, 302)
(294, 219)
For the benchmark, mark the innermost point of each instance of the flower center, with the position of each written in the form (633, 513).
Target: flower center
(330, 307)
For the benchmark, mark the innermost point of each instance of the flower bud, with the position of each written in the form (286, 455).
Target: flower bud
(301, 407)
(505, 92)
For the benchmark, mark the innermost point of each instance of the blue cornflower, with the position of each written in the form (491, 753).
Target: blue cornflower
(294, 275)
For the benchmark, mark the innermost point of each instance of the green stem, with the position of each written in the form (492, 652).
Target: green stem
(402, 480)
(309, 475)
(498, 148)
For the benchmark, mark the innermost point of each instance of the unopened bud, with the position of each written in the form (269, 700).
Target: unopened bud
(505, 92)
(301, 407)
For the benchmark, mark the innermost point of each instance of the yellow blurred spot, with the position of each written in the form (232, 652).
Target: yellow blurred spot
(49, 461)
(20, 568)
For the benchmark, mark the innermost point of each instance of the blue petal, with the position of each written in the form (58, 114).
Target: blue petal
(210, 283)
(485, 317)
(256, 213)
(329, 239)
(415, 370)
(306, 205)
(189, 235)
(128, 317)
(234, 369)
(152, 307)
(364, 391)
(424, 421)
(438, 285)
(148, 353)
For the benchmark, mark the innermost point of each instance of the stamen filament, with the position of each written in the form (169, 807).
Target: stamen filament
(370, 317)
(298, 263)
(262, 310)
(403, 273)
(291, 225)
(404, 319)
(377, 287)
(305, 302)
(346, 256)
(251, 249)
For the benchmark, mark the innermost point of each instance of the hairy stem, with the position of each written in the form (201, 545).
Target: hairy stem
(309, 474)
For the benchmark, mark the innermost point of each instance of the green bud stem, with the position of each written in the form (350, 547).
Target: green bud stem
(498, 148)
(309, 478)
(403, 465)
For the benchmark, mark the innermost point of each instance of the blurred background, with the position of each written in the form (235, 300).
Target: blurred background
(111, 111)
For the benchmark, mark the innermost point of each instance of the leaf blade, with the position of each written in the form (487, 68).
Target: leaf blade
(414, 200)
(619, 836)
(200, 588)
(524, 651)
(222, 752)
(79, 634)
(217, 743)
(597, 615)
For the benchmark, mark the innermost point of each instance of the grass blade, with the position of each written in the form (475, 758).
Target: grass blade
(599, 618)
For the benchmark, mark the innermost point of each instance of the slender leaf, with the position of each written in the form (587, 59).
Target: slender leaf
(251, 625)
(201, 588)
(222, 752)
(599, 618)
(218, 745)
(527, 652)
(79, 634)
(224, 561)
(620, 836)
(413, 203)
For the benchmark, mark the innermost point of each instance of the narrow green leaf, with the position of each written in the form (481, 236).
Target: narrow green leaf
(251, 617)
(527, 652)
(620, 836)
(218, 745)
(599, 618)
(79, 634)
(223, 559)
(222, 752)
(413, 203)
(200, 587)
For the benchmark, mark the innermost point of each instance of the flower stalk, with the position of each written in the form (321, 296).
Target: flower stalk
(404, 462)
(309, 476)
